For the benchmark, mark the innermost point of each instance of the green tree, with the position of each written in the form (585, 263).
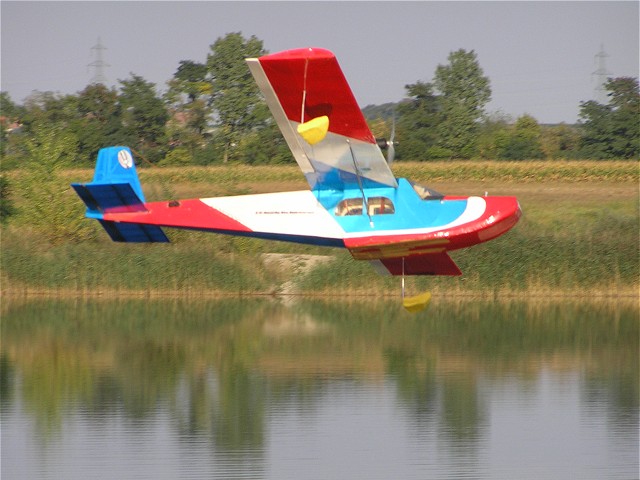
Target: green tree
(236, 101)
(8, 108)
(49, 204)
(6, 203)
(41, 109)
(49, 107)
(264, 146)
(190, 80)
(187, 99)
(9, 113)
(493, 135)
(501, 138)
(99, 121)
(464, 93)
(612, 130)
(560, 141)
(417, 122)
(524, 140)
(144, 117)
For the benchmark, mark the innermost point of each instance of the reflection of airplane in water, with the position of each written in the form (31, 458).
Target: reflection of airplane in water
(354, 202)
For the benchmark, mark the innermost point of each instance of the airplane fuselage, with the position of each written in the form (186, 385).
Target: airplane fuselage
(391, 223)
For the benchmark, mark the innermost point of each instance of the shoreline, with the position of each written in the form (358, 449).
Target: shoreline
(625, 294)
(577, 241)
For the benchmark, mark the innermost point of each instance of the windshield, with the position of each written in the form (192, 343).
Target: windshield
(426, 193)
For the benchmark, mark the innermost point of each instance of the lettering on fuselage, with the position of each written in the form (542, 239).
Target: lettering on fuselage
(284, 213)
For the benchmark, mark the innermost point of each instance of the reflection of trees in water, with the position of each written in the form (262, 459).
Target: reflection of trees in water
(219, 366)
(7, 381)
(463, 417)
(416, 384)
(447, 403)
(616, 392)
(238, 416)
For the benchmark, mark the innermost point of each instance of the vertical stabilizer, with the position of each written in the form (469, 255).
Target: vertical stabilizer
(116, 187)
(115, 165)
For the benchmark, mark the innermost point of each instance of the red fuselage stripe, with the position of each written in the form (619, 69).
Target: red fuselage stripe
(184, 214)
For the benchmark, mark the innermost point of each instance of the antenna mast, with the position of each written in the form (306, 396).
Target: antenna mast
(601, 75)
(98, 64)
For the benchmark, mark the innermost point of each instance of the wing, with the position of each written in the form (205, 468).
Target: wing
(306, 91)
(420, 257)
(426, 264)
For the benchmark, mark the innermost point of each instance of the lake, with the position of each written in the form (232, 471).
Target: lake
(254, 388)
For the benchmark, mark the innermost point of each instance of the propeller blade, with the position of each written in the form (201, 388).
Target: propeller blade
(391, 149)
(391, 153)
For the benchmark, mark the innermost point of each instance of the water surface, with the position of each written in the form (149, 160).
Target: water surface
(250, 388)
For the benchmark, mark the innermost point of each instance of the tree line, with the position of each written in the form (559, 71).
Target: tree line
(213, 112)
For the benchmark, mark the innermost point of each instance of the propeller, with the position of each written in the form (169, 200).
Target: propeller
(391, 149)
(390, 144)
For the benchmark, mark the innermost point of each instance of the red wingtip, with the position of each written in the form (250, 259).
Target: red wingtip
(299, 53)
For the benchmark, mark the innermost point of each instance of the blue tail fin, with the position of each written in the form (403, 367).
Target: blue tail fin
(116, 185)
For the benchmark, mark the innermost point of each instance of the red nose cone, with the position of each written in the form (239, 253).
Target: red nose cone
(503, 214)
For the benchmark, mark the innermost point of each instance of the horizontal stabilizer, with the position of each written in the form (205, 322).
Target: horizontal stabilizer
(428, 264)
(100, 197)
(134, 232)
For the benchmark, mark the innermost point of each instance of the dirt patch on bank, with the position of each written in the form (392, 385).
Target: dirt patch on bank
(295, 265)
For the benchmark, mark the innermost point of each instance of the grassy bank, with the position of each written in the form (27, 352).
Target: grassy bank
(578, 236)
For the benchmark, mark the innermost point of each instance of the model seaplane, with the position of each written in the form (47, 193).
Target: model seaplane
(355, 201)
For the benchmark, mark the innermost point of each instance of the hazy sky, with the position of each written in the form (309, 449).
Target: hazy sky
(539, 56)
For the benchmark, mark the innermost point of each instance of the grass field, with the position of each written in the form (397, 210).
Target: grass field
(578, 236)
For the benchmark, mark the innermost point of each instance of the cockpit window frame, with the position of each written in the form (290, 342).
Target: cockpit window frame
(355, 206)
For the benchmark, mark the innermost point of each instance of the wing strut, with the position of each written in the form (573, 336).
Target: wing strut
(403, 279)
(304, 89)
(365, 205)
